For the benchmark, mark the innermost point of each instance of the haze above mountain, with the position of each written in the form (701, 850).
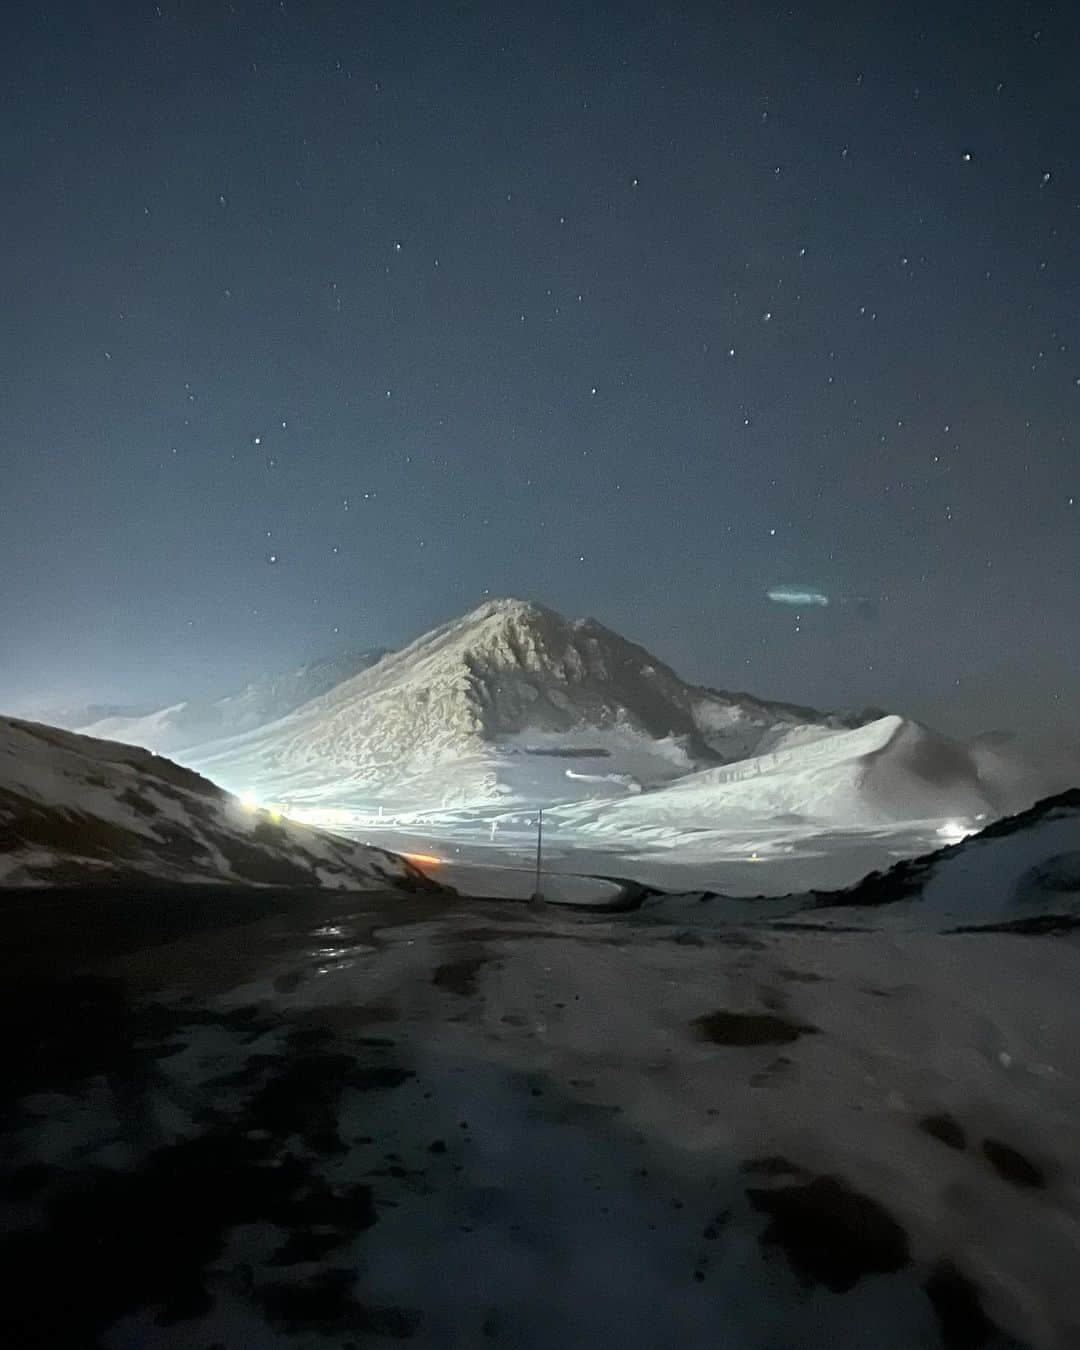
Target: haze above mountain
(197, 721)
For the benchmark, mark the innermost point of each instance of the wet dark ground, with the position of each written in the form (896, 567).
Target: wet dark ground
(193, 1158)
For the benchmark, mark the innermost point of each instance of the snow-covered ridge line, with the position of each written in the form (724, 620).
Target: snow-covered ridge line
(75, 810)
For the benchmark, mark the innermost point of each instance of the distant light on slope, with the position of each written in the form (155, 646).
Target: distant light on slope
(954, 830)
(791, 595)
(251, 804)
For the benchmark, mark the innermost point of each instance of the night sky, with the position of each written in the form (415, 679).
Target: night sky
(322, 322)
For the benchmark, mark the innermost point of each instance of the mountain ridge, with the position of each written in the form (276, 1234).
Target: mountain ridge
(512, 703)
(467, 691)
(77, 810)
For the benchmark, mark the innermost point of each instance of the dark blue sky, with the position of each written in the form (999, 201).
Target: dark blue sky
(322, 321)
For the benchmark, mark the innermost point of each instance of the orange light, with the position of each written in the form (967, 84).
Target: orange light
(422, 858)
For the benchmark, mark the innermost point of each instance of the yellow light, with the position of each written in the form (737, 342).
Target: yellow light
(422, 858)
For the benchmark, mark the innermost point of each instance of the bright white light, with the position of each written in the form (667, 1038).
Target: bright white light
(954, 830)
(248, 802)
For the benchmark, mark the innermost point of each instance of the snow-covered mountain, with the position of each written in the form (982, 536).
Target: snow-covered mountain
(888, 770)
(79, 811)
(198, 721)
(512, 703)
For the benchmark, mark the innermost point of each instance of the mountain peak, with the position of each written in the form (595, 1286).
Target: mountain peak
(510, 607)
(510, 701)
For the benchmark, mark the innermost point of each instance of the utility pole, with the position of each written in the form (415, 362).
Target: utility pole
(539, 851)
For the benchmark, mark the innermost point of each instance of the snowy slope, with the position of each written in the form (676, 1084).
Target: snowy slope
(262, 701)
(889, 770)
(511, 703)
(1020, 873)
(77, 811)
(1020, 869)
